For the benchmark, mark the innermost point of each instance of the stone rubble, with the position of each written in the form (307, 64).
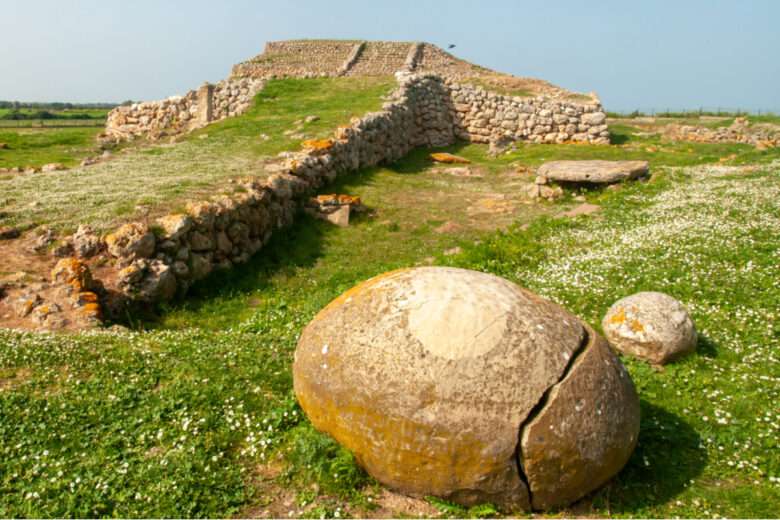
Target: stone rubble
(740, 131)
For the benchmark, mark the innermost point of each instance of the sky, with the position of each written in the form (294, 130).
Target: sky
(636, 54)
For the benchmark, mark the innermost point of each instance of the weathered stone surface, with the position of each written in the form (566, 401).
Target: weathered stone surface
(175, 226)
(201, 242)
(200, 266)
(586, 431)
(74, 273)
(159, 282)
(85, 242)
(148, 280)
(340, 217)
(429, 374)
(133, 240)
(594, 118)
(600, 172)
(25, 304)
(544, 191)
(651, 326)
(40, 313)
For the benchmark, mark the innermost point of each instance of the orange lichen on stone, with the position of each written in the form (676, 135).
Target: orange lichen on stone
(91, 309)
(636, 326)
(87, 297)
(318, 145)
(619, 317)
(449, 158)
(73, 272)
(334, 199)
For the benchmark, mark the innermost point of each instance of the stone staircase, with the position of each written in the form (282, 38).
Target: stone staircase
(380, 58)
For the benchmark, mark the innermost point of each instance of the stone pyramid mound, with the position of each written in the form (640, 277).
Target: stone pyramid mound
(330, 58)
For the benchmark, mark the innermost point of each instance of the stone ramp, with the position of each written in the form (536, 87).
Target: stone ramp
(381, 59)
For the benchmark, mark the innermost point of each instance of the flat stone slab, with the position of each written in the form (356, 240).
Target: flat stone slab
(449, 158)
(597, 172)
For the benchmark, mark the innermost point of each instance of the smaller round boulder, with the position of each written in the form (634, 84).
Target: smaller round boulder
(651, 326)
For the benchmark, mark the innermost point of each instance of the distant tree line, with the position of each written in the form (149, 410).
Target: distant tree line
(17, 115)
(25, 111)
(18, 105)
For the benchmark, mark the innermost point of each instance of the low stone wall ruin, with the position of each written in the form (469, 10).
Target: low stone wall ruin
(157, 262)
(762, 136)
(484, 117)
(181, 114)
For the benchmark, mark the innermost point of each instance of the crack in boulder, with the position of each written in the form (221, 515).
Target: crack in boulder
(539, 406)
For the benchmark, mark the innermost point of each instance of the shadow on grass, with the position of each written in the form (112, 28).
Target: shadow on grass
(706, 347)
(298, 246)
(667, 457)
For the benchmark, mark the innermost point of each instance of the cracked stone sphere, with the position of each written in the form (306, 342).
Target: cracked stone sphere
(462, 385)
(651, 326)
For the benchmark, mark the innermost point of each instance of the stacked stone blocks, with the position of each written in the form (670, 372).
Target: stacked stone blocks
(181, 114)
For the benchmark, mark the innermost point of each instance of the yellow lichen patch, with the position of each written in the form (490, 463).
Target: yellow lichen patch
(636, 326)
(619, 317)
(318, 145)
(450, 460)
(449, 158)
(333, 199)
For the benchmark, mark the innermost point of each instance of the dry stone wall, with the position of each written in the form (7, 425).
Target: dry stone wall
(180, 114)
(157, 262)
(484, 117)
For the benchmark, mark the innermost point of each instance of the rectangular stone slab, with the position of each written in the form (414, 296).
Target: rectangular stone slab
(597, 172)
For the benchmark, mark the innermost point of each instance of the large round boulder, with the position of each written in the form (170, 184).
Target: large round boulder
(651, 326)
(462, 385)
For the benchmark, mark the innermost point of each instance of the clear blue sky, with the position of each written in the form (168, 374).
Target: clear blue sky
(654, 54)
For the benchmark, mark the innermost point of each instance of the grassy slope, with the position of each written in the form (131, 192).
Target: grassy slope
(180, 422)
(140, 180)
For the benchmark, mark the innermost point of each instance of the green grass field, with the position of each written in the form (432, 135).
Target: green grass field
(192, 413)
(36, 147)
